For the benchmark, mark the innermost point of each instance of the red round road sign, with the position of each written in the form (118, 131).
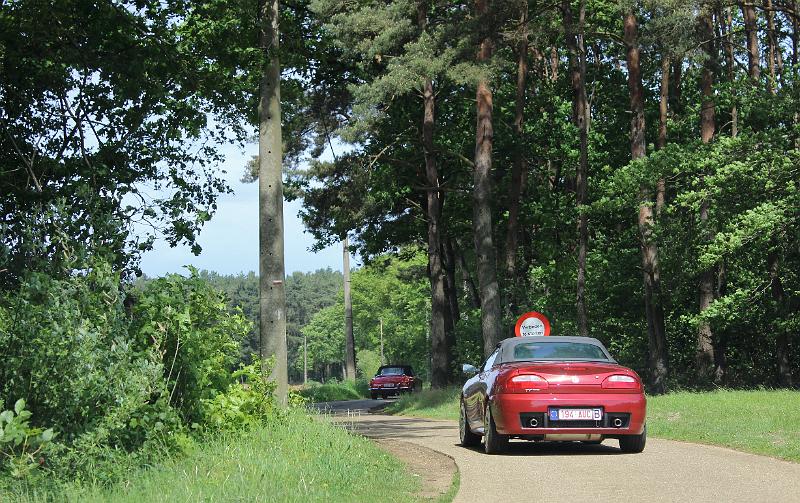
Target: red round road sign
(532, 323)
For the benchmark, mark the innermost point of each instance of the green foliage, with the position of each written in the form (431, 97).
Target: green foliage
(246, 403)
(189, 326)
(367, 363)
(391, 289)
(331, 392)
(22, 446)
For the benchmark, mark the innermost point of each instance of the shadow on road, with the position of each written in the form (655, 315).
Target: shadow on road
(552, 449)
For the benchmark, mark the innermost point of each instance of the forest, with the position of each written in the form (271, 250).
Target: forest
(628, 168)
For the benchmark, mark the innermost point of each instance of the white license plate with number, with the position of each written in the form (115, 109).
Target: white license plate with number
(577, 414)
(389, 385)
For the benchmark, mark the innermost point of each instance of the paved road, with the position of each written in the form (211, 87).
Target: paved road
(531, 472)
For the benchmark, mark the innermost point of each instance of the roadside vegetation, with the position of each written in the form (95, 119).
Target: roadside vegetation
(758, 421)
(295, 458)
(333, 391)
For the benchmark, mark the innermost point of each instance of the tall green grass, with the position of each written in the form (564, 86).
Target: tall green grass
(763, 422)
(298, 459)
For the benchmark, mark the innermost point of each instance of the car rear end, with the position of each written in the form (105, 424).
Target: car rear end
(568, 401)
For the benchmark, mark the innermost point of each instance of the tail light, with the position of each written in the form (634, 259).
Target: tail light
(524, 383)
(620, 381)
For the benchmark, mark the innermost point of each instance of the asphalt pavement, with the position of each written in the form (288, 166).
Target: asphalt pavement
(666, 471)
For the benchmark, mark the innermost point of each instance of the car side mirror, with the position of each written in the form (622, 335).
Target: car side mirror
(469, 369)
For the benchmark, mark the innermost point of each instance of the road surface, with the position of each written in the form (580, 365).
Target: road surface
(532, 472)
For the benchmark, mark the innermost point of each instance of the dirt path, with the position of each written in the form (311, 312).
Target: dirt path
(665, 471)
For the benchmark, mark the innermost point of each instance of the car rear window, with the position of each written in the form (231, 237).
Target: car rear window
(391, 371)
(558, 351)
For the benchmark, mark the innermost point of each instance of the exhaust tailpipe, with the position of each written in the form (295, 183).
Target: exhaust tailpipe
(533, 423)
(617, 422)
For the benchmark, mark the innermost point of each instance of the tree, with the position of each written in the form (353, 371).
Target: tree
(652, 283)
(581, 116)
(482, 192)
(271, 268)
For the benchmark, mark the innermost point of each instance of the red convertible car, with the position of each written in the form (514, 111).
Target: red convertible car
(393, 380)
(553, 389)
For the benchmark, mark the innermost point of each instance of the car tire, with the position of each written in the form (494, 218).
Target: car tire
(633, 443)
(467, 437)
(493, 442)
(374, 396)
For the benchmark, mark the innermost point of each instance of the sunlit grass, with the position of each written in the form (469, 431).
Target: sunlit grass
(763, 422)
(299, 459)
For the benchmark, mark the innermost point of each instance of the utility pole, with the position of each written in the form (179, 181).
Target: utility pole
(382, 360)
(349, 344)
(272, 301)
(305, 360)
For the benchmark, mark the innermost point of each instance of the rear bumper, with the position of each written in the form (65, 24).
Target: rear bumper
(390, 390)
(508, 411)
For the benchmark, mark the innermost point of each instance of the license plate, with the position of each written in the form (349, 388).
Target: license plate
(389, 385)
(576, 414)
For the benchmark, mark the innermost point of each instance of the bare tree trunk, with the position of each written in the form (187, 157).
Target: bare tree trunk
(519, 169)
(554, 63)
(705, 346)
(349, 367)
(771, 46)
(751, 31)
(482, 199)
(272, 299)
(581, 117)
(729, 63)
(655, 316)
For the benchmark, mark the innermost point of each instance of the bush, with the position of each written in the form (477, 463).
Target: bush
(331, 392)
(247, 402)
(189, 325)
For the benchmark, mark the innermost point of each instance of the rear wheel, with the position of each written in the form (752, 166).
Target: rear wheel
(493, 442)
(374, 396)
(633, 443)
(468, 439)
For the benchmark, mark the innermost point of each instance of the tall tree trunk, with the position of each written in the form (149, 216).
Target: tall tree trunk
(730, 66)
(771, 46)
(272, 298)
(581, 116)
(661, 142)
(782, 341)
(450, 279)
(751, 32)
(519, 169)
(466, 278)
(441, 317)
(482, 200)
(705, 344)
(656, 337)
(440, 361)
(676, 103)
(349, 367)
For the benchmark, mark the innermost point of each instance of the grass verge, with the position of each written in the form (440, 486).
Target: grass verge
(762, 422)
(298, 459)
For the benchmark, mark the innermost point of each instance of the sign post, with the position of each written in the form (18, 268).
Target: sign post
(532, 324)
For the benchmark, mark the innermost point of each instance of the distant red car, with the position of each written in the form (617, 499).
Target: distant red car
(552, 389)
(393, 380)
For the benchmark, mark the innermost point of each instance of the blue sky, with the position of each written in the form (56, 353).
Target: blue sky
(230, 239)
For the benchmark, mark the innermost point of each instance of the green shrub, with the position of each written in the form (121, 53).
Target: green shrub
(331, 392)
(246, 403)
(21, 445)
(189, 325)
